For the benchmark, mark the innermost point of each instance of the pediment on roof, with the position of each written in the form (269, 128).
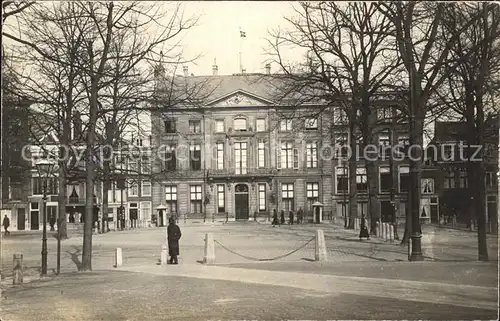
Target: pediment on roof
(239, 98)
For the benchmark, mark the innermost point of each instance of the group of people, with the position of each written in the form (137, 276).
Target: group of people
(291, 218)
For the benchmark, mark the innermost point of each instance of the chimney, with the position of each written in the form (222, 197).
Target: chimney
(215, 69)
(268, 69)
(185, 69)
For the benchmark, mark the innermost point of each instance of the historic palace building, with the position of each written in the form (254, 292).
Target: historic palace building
(239, 153)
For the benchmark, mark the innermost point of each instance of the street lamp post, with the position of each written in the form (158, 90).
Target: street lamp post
(44, 168)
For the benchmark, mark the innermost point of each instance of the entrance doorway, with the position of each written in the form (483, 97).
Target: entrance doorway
(241, 202)
(21, 213)
(387, 211)
(35, 222)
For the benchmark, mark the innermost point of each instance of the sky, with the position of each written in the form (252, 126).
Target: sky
(217, 34)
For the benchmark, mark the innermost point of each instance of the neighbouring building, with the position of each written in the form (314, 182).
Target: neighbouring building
(446, 171)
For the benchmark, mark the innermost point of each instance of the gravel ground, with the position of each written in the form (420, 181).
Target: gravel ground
(136, 296)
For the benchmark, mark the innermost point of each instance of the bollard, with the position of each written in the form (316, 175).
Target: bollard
(164, 254)
(391, 233)
(118, 257)
(17, 268)
(209, 255)
(320, 249)
(378, 228)
(386, 231)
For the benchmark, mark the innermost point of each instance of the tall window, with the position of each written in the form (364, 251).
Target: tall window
(404, 179)
(133, 167)
(312, 155)
(385, 180)
(170, 158)
(195, 198)
(220, 155)
(312, 194)
(240, 124)
(361, 180)
(219, 126)
(145, 210)
(340, 116)
(463, 179)
(427, 185)
(285, 125)
(262, 197)
(221, 202)
(341, 147)
(146, 188)
(384, 113)
(261, 125)
(195, 126)
(342, 180)
(52, 185)
(287, 196)
(288, 157)
(403, 143)
(171, 199)
(133, 189)
(261, 154)
(491, 179)
(146, 166)
(384, 143)
(311, 124)
(195, 157)
(449, 179)
(240, 150)
(170, 126)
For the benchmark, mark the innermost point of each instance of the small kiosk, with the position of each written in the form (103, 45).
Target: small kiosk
(317, 212)
(162, 209)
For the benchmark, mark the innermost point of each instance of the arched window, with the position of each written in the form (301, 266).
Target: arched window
(240, 124)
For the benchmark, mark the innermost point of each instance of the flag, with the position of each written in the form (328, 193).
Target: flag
(243, 34)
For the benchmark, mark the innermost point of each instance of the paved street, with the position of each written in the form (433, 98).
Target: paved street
(141, 296)
(359, 278)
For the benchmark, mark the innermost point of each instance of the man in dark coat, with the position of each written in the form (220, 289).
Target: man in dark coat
(173, 235)
(6, 224)
(290, 217)
(275, 218)
(300, 216)
(283, 217)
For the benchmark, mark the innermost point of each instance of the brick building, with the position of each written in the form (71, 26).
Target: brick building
(447, 172)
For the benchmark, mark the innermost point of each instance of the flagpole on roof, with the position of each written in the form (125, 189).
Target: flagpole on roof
(242, 35)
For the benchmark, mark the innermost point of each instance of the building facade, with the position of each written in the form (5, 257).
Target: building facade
(447, 170)
(237, 156)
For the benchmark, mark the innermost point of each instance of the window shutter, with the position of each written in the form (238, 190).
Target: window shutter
(295, 158)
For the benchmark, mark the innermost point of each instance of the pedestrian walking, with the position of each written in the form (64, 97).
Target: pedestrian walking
(173, 236)
(290, 217)
(275, 218)
(300, 216)
(6, 224)
(283, 217)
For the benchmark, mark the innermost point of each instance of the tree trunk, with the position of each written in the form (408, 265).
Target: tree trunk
(61, 225)
(480, 196)
(353, 197)
(106, 186)
(89, 206)
(372, 178)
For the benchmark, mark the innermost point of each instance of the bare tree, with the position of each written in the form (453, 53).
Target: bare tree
(349, 62)
(469, 89)
(418, 34)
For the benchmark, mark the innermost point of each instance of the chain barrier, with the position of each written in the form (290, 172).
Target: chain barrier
(266, 259)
